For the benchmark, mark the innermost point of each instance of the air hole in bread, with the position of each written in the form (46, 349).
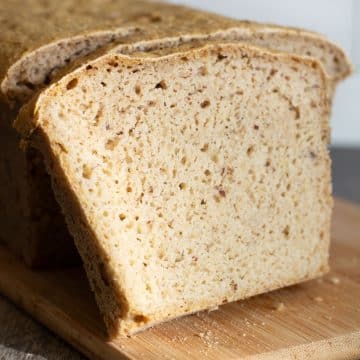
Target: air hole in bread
(250, 150)
(72, 83)
(161, 85)
(205, 104)
(286, 231)
(221, 57)
(182, 186)
(137, 89)
(86, 171)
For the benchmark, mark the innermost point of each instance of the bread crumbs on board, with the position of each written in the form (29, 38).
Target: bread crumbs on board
(334, 280)
(279, 306)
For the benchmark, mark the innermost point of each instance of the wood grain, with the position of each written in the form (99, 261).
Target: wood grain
(319, 319)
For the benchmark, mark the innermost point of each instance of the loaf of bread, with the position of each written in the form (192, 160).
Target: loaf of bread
(189, 177)
(38, 39)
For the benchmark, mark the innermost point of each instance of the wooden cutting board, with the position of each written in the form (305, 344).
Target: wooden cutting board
(319, 319)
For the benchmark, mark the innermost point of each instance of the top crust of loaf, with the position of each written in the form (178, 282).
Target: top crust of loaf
(39, 38)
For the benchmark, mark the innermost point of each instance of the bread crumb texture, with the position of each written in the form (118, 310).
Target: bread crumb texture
(204, 177)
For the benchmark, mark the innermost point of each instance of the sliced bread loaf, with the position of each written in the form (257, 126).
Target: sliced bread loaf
(36, 42)
(189, 177)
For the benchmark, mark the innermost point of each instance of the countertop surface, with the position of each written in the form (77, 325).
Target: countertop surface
(23, 338)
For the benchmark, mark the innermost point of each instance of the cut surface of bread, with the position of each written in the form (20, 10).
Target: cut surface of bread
(189, 177)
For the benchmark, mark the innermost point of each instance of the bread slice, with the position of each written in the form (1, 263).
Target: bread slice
(189, 177)
(36, 42)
